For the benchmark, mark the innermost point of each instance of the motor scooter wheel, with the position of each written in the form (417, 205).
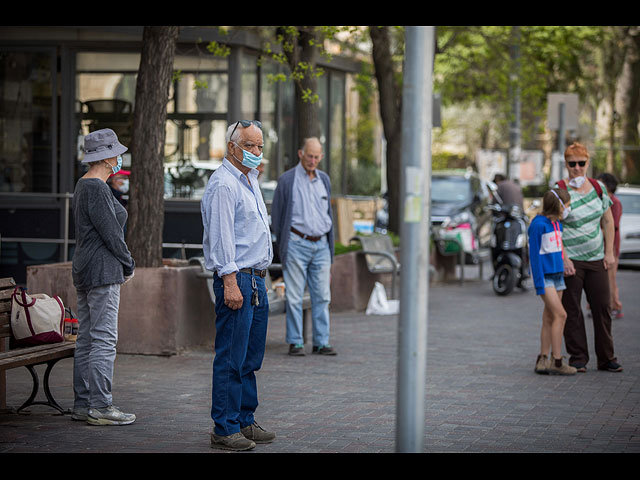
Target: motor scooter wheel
(504, 280)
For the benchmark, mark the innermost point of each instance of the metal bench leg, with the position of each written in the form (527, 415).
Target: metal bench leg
(36, 383)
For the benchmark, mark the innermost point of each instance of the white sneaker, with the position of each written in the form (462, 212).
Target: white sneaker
(109, 416)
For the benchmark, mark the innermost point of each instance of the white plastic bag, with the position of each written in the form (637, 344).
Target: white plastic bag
(379, 304)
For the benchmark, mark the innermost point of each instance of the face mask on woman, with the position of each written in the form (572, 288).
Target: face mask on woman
(115, 169)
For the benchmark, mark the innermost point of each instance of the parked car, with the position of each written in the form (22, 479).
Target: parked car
(188, 179)
(629, 225)
(458, 201)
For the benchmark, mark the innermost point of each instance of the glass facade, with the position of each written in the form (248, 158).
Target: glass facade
(54, 92)
(27, 119)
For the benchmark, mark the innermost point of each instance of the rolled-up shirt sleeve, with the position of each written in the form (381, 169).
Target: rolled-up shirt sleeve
(220, 234)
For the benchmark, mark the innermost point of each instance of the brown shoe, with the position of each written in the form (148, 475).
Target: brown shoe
(563, 369)
(542, 364)
(258, 434)
(235, 441)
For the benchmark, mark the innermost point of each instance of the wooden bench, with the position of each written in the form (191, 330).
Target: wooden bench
(277, 305)
(29, 357)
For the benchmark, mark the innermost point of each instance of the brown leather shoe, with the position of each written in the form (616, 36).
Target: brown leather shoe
(235, 441)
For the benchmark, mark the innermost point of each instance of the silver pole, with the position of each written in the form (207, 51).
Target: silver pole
(414, 233)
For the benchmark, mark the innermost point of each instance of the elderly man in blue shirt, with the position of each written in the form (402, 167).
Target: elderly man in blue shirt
(238, 250)
(301, 219)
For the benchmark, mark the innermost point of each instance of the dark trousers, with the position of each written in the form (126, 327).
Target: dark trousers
(593, 279)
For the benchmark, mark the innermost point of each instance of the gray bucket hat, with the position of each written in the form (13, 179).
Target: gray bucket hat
(102, 144)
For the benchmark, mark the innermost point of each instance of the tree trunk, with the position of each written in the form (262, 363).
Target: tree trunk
(391, 113)
(630, 100)
(304, 52)
(629, 107)
(146, 206)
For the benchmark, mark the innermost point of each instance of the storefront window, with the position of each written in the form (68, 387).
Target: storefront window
(196, 127)
(105, 95)
(27, 121)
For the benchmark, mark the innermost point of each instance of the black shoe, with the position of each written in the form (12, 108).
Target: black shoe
(611, 367)
(296, 350)
(324, 350)
(580, 367)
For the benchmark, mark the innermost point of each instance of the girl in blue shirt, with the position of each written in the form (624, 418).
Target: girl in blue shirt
(546, 255)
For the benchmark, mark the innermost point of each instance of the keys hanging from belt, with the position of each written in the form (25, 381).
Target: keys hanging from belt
(254, 295)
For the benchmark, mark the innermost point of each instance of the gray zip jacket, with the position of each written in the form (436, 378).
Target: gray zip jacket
(101, 256)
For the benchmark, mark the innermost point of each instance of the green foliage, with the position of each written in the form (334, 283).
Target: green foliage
(364, 179)
(339, 248)
(445, 161)
(218, 49)
(474, 65)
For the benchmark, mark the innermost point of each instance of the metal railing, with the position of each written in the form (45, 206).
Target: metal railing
(66, 241)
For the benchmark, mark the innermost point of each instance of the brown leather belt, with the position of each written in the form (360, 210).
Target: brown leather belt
(253, 271)
(306, 237)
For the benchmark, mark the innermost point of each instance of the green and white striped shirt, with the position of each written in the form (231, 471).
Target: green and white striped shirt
(582, 235)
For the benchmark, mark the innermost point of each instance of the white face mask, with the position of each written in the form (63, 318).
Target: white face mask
(566, 212)
(577, 182)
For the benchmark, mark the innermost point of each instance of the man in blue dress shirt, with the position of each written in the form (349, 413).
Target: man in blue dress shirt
(238, 250)
(301, 218)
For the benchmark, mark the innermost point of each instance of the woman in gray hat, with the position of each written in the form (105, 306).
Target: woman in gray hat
(101, 264)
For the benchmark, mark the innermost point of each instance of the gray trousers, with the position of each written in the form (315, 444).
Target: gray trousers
(95, 346)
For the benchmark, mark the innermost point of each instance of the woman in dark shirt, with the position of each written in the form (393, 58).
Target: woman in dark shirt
(101, 264)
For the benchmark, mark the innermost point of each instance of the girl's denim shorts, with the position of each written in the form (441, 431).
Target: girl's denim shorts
(555, 280)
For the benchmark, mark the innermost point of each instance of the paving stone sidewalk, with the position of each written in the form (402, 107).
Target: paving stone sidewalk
(482, 394)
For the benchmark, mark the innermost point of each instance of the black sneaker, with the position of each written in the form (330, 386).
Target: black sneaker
(324, 350)
(297, 350)
(611, 367)
(580, 367)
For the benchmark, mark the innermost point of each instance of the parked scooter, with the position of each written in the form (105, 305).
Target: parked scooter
(509, 247)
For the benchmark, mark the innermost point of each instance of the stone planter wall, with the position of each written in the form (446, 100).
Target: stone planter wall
(166, 310)
(352, 283)
(162, 310)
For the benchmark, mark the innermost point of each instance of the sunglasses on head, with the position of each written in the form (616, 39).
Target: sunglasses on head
(245, 124)
(582, 163)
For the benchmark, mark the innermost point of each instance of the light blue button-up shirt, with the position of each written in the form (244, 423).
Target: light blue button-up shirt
(236, 226)
(310, 212)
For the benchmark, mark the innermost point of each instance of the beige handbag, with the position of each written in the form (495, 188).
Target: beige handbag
(36, 319)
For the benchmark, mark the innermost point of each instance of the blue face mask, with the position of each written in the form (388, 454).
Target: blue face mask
(118, 166)
(249, 159)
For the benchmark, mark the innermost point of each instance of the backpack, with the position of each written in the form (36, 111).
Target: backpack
(561, 184)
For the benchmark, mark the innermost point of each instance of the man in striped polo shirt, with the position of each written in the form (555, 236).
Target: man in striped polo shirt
(588, 241)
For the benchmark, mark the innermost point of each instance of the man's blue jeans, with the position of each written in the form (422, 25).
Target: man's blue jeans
(308, 264)
(240, 343)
